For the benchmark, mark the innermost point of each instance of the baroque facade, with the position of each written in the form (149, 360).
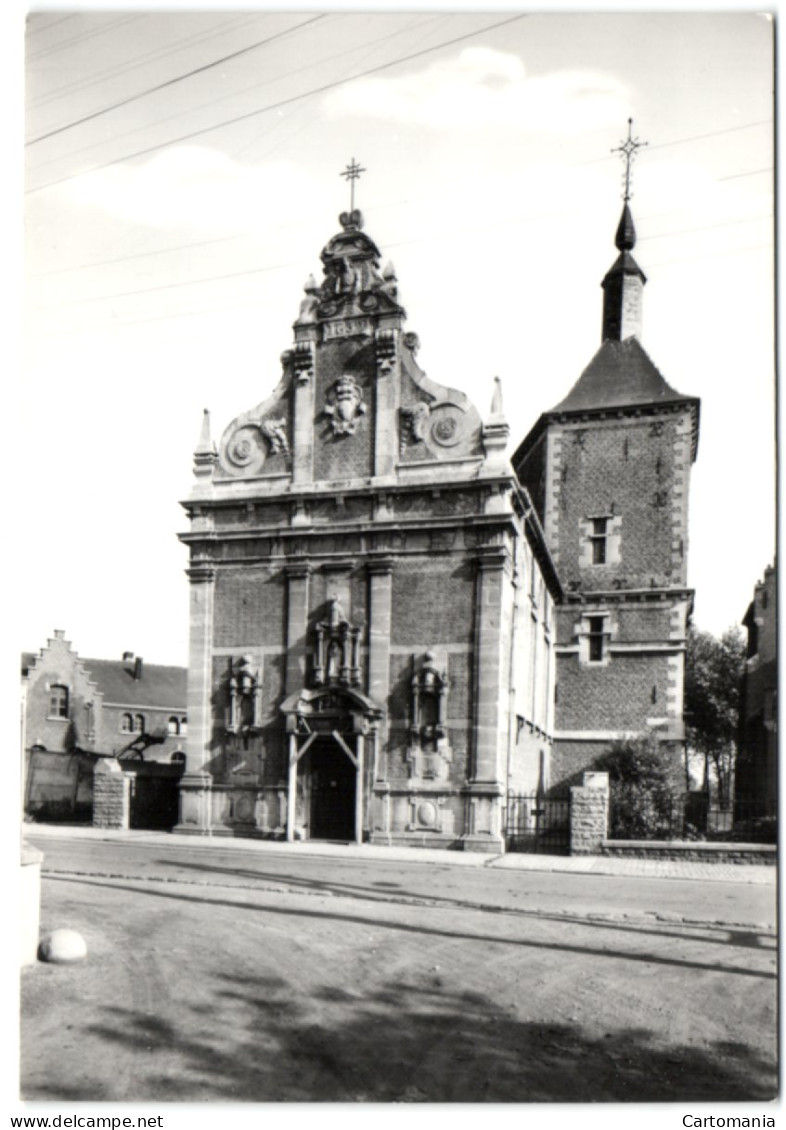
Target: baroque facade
(386, 613)
(372, 599)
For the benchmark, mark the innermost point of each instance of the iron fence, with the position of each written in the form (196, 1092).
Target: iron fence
(689, 816)
(535, 823)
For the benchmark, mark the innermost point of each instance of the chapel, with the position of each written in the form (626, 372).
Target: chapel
(394, 627)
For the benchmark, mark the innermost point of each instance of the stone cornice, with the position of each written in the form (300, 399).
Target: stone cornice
(629, 596)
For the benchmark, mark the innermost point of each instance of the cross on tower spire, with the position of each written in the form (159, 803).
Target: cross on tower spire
(627, 150)
(352, 172)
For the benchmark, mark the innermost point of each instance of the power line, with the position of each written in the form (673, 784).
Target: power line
(752, 173)
(83, 38)
(235, 93)
(400, 243)
(47, 27)
(212, 309)
(138, 61)
(389, 204)
(284, 102)
(178, 78)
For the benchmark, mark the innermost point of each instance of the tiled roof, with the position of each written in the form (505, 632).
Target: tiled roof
(620, 375)
(157, 685)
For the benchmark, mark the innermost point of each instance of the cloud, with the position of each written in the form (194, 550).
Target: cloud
(483, 88)
(190, 187)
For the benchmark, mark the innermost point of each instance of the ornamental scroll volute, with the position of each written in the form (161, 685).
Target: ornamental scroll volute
(337, 650)
(258, 442)
(429, 753)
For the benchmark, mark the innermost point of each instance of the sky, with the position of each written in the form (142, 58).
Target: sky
(171, 219)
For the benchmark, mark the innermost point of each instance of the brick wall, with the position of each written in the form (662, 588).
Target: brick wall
(631, 469)
(250, 605)
(618, 696)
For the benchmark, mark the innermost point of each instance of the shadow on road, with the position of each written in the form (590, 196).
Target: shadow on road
(410, 1041)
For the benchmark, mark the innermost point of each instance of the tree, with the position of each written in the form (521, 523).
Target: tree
(713, 675)
(645, 780)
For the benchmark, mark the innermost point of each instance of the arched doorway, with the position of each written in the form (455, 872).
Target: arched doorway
(331, 732)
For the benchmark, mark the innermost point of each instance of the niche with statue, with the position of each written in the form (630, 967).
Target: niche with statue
(429, 753)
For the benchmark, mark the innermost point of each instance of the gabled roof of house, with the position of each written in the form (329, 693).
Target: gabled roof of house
(159, 685)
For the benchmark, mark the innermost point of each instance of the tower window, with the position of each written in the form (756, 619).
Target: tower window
(139, 723)
(597, 637)
(58, 702)
(126, 724)
(599, 540)
(173, 726)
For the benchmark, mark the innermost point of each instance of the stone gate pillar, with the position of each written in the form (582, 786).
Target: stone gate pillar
(589, 810)
(111, 795)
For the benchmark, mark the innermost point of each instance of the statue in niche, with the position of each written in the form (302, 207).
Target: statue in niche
(336, 616)
(245, 697)
(429, 751)
(333, 662)
(345, 405)
(337, 651)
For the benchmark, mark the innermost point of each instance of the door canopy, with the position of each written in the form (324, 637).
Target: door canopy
(328, 709)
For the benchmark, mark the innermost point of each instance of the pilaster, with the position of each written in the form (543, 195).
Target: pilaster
(297, 575)
(303, 409)
(380, 573)
(196, 781)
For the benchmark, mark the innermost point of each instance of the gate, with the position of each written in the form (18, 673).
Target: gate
(154, 792)
(537, 824)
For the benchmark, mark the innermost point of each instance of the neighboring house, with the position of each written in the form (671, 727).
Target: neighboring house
(756, 774)
(77, 710)
(377, 594)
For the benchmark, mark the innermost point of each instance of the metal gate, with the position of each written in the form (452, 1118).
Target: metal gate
(538, 824)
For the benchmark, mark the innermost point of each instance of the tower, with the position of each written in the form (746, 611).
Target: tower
(609, 471)
(371, 648)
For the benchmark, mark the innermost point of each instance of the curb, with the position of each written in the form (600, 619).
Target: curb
(629, 917)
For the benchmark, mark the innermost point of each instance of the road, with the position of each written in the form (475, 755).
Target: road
(230, 973)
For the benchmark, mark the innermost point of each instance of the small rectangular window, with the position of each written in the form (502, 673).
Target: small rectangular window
(597, 638)
(598, 538)
(58, 702)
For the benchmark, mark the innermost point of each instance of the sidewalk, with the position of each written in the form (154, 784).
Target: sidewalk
(581, 864)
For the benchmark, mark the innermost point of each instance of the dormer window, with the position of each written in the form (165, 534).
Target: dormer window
(58, 701)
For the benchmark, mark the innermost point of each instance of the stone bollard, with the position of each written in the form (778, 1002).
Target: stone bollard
(589, 813)
(30, 899)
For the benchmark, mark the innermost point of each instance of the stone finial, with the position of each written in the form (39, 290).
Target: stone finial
(496, 400)
(205, 454)
(496, 430)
